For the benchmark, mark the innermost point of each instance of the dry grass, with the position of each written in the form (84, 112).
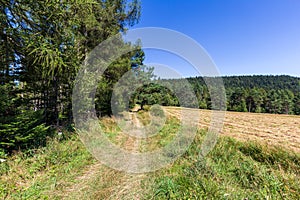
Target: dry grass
(282, 130)
(98, 181)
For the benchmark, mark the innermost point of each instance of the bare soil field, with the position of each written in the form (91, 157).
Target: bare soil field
(271, 129)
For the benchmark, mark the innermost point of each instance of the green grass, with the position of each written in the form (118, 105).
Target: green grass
(41, 173)
(232, 170)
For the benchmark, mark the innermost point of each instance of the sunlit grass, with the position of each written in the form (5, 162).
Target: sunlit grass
(64, 169)
(233, 170)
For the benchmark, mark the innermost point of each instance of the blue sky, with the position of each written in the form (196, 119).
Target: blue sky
(243, 37)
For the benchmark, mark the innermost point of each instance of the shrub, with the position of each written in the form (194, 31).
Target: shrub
(20, 127)
(157, 111)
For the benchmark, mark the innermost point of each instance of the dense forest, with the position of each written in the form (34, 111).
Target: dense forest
(260, 94)
(43, 44)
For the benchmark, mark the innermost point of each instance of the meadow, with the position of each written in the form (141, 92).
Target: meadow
(256, 157)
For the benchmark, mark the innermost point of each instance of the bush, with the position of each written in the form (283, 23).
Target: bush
(157, 111)
(20, 127)
(23, 131)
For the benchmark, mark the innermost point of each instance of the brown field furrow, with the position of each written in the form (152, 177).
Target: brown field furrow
(282, 130)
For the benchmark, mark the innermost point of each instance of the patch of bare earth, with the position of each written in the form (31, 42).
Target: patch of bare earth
(131, 185)
(272, 129)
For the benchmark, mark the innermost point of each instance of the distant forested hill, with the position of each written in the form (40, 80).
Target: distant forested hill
(265, 82)
(261, 94)
(259, 81)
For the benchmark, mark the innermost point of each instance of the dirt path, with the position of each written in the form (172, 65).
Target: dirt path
(101, 182)
(90, 173)
(282, 130)
(130, 187)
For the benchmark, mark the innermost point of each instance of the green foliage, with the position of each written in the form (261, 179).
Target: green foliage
(260, 94)
(297, 104)
(19, 128)
(119, 68)
(25, 130)
(154, 93)
(42, 45)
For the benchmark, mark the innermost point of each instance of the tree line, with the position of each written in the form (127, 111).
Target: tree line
(259, 94)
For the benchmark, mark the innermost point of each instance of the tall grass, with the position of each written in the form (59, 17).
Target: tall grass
(232, 170)
(43, 172)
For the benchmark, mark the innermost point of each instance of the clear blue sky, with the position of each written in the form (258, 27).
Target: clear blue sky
(243, 37)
